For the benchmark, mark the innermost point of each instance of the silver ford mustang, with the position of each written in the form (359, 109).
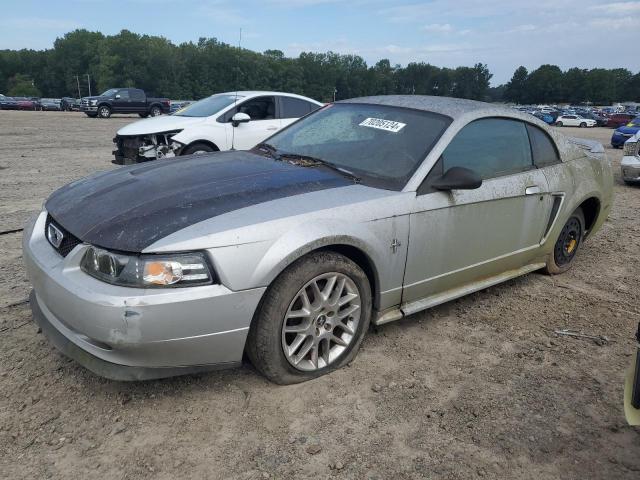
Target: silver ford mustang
(365, 211)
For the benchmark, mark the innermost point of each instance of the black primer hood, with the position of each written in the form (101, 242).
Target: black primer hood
(130, 208)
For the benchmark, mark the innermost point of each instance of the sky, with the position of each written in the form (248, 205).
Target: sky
(504, 34)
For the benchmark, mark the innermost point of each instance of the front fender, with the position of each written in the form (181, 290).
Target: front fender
(203, 132)
(258, 264)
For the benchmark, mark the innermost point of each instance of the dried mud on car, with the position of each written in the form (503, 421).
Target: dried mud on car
(478, 387)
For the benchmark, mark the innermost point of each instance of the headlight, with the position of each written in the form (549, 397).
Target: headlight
(147, 271)
(93, 102)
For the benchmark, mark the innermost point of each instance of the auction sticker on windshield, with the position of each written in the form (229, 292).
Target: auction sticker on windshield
(381, 124)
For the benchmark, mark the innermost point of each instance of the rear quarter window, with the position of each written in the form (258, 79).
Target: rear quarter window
(543, 148)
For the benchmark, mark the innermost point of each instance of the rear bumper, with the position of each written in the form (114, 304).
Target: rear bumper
(129, 333)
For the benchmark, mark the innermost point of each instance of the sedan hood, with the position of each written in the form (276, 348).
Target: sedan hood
(626, 130)
(163, 123)
(130, 208)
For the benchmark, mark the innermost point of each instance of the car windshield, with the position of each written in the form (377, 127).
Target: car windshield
(109, 92)
(380, 144)
(207, 106)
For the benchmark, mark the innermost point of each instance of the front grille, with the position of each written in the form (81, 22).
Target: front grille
(69, 242)
(128, 147)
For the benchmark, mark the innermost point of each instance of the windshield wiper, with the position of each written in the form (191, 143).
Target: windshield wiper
(269, 149)
(309, 161)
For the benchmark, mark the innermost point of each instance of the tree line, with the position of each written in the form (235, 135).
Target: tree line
(549, 84)
(193, 70)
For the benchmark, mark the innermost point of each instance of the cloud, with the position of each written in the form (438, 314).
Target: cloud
(438, 28)
(617, 7)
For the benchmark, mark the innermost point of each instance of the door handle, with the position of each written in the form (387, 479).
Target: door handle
(532, 190)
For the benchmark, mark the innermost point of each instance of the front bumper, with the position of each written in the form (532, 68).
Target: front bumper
(630, 167)
(88, 108)
(129, 333)
(617, 140)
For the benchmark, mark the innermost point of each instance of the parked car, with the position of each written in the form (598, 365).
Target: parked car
(223, 121)
(69, 104)
(366, 210)
(622, 134)
(619, 119)
(545, 117)
(600, 120)
(8, 103)
(51, 104)
(124, 100)
(23, 103)
(178, 105)
(574, 121)
(630, 164)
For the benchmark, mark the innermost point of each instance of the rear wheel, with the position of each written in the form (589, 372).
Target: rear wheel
(198, 149)
(155, 111)
(311, 320)
(104, 111)
(558, 124)
(567, 245)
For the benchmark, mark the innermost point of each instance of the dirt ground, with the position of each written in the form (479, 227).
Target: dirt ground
(478, 387)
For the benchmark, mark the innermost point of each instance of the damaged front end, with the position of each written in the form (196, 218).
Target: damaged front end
(144, 148)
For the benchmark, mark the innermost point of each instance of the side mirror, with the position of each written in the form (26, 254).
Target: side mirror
(117, 96)
(239, 118)
(458, 178)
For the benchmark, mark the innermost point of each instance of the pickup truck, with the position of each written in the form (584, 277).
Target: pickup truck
(124, 100)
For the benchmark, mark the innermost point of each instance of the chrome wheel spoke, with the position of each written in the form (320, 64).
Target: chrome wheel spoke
(344, 313)
(346, 299)
(338, 340)
(295, 345)
(346, 328)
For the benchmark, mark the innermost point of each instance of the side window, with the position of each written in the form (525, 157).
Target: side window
(295, 107)
(124, 95)
(544, 150)
(491, 147)
(259, 108)
(137, 95)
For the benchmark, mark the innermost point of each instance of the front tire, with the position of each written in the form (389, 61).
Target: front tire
(311, 320)
(567, 244)
(583, 125)
(558, 124)
(198, 149)
(104, 111)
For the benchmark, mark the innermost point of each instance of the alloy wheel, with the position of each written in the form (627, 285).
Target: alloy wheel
(321, 321)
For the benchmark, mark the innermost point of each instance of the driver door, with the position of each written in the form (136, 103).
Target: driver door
(121, 101)
(264, 123)
(461, 236)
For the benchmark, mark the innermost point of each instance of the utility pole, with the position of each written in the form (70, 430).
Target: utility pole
(89, 83)
(78, 82)
(335, 90)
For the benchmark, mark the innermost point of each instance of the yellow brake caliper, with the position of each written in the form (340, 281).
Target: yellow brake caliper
(572, 245)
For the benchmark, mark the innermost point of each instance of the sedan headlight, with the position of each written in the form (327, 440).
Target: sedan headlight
(147, 271)
(93, 102)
